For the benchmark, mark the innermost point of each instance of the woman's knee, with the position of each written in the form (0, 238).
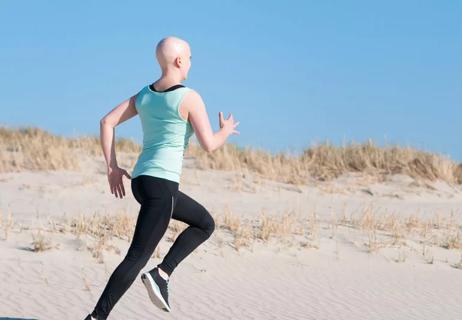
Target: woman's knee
(209, 224)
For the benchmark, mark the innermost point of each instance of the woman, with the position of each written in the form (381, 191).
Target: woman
(170, 113)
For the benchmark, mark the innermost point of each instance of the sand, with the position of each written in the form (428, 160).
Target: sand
(337, 278)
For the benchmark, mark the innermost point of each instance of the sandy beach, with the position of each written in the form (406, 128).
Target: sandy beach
(320, 262)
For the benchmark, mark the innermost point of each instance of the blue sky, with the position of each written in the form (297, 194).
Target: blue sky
(294, 73)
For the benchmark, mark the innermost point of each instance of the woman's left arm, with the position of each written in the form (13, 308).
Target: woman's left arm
(116, 116)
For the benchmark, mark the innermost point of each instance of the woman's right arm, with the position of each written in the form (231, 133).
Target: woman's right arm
(197, 115)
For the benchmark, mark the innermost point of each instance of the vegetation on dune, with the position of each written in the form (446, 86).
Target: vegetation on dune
(32, 148)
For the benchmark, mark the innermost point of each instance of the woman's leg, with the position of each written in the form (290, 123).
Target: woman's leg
(201, 226)
(155, 196)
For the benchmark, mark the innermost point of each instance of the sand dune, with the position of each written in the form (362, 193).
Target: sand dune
(326, 275)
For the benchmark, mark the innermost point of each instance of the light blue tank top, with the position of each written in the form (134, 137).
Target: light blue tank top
(165, 133)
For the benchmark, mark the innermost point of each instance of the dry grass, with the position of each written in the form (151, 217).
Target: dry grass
(97, 248)
(103, 227)
(378, 230)
(41, 243)
(119, 225)
(277, 227)
(326, 161)
(231, 221)
(6, 223)
(387, 230)
(243, 237)
(33, 148)
(246, 232)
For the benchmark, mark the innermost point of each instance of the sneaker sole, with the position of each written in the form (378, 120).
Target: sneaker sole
(154, 292)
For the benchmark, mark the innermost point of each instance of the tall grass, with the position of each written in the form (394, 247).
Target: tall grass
(32, 148)
(326, 161)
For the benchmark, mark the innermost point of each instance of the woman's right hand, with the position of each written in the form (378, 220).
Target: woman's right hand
(228, 124)
(114, 176)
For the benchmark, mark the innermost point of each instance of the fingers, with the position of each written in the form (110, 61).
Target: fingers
(123, 189)
(230, 117)
(114, 190)
(118, 190)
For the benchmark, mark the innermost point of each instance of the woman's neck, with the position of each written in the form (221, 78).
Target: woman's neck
(164, 83)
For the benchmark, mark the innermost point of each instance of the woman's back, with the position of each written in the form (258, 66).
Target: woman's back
(165, 133)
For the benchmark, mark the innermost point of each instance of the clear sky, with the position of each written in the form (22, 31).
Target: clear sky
(294, 73)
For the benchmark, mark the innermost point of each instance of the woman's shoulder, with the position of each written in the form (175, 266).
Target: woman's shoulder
(143, 89)
(191, 92)
(192, 98)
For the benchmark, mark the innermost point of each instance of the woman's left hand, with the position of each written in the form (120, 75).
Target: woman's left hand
(114, 176)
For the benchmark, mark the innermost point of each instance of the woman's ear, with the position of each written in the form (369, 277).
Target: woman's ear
(179, 61)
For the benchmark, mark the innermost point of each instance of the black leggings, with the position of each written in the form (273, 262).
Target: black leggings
(160, 200)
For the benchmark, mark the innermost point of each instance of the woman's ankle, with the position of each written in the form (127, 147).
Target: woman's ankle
(162, 273)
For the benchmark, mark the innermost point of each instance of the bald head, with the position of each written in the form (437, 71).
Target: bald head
(170, 48)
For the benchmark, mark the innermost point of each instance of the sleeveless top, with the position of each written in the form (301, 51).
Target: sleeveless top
(165, 134)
